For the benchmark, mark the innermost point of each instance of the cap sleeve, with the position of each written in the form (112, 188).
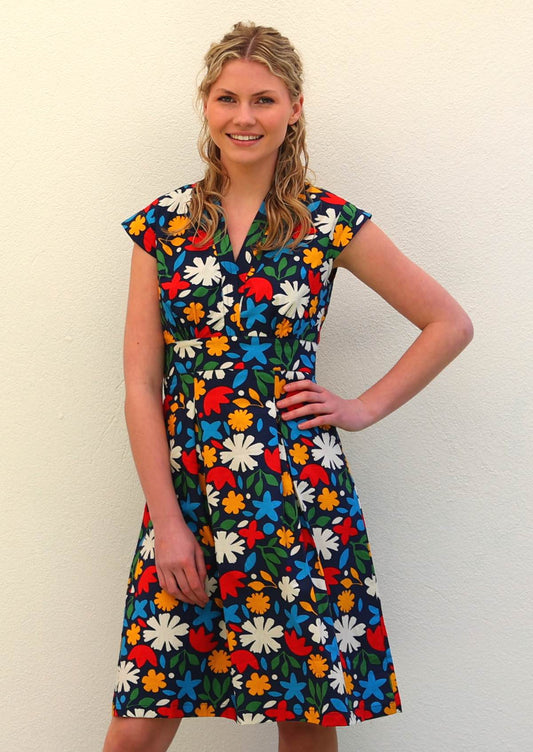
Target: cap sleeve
(348, 222)
(142, 228)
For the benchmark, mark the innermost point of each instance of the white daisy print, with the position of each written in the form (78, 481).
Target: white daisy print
(327, 450)
(148, 545)
(177, 201)
(326, 541)
(319, 632)
(126, 674)
(263, 634)
(165, 632)
(289, 589)
(348, 630)
(326, 222)
(203, 271)
(240, 451)
(227, 545)
(293, 300)
(187, 347)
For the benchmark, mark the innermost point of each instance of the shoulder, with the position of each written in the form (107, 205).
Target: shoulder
(332, 215)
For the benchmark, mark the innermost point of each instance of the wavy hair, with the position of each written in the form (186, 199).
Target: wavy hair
(288, 219)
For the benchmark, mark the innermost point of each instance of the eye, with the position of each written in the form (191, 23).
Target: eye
(265, 100)
(225, 98)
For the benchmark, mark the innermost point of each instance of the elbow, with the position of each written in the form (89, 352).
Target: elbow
(464, 330)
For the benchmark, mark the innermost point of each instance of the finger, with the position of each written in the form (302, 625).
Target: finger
(196, 586)
(200, 565)
(171, 586)
(185, 587)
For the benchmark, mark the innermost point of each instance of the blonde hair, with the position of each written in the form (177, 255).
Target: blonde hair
(288, 219)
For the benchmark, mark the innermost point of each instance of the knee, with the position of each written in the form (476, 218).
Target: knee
(297, 736)
(140, 734)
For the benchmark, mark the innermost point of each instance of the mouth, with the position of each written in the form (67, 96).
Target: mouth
(244, 137)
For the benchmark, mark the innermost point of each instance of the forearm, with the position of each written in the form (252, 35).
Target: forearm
(436, 346)
(150, 449)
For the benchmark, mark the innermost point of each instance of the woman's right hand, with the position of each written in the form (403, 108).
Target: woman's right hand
(180, 562)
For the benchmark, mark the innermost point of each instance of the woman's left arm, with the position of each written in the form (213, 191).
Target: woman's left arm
(446, 329)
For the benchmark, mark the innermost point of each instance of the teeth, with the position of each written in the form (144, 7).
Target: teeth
(244, 138)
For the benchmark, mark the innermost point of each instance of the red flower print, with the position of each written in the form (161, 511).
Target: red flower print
(196, 242)
(202, 640)
(242, 659)
(251, 533)
(147, 578)
(230, 582)
(315, 474)
(376, 637)
(297, 645)
(142, 654)
(334, 718)
(280, 713)
(221, 476)
(346, 530)
(175, 285)
(272, 459)
(330, 575)
(172, 711)
(216, 397)
(258, 288)
(149, 239)
(362, 713)
(190, 461)
(314, 281)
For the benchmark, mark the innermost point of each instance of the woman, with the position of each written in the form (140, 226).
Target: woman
(252, 593)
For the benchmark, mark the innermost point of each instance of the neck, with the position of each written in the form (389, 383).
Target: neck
(248, 184)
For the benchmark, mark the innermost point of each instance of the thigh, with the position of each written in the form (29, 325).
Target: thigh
(140, 734)
(299, 736)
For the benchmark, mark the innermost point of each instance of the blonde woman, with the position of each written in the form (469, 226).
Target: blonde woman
(252, 593)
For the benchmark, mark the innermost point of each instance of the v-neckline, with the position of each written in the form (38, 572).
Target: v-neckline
(254, 234)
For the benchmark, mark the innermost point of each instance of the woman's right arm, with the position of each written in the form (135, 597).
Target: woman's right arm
(179, 558)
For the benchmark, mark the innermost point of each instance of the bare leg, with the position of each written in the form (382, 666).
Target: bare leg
(298, 736)
(140, 734)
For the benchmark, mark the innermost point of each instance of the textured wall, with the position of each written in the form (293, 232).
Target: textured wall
(417, 112)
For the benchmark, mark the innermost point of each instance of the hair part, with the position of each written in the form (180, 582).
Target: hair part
(288, 219)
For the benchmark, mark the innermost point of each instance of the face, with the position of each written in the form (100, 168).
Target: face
(248, 111)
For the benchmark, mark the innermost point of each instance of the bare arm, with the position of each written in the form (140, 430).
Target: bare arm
(445, 330)
(179, 558)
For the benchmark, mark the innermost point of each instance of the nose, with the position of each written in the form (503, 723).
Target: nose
(244, 115)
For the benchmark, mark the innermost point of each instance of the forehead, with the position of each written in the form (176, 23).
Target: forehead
(248, 77)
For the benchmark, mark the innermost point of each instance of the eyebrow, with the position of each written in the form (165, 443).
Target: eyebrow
(255, 94)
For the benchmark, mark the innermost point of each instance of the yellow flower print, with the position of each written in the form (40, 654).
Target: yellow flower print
(394, 685)
(206, 535)
(194, 312)
(205, 710)
(209, 455)
(313, 305)
(171, 425)
(199, 388)
(153, 681)
(346, 600)
(233, 503)
(133, 634)
(236, 316)
(178, 225)
(283, 328)
(314, 257)
(342, 235)
(167, 336)
(312, 716)
(232, 640)
(138, 569)
(279, 385)
(286, 537)
(391, 708)
(258, 685)
(348, 681)
(258, 603)
(318, 665)
(299, 453)
(219, 661)
(240, 420)
(328, 499)
(217, 345)
(164, 601)
(286, 483)
(138, 225)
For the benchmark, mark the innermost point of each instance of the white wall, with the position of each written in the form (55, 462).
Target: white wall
(419, 112)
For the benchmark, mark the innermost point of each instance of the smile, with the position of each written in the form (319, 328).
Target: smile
(238, 137)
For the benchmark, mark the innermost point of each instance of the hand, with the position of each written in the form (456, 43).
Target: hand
(180, 562)
(306, 397)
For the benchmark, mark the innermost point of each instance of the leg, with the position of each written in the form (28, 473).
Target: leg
(140, 734)
(298, 736)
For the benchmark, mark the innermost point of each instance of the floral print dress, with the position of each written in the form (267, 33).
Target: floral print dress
(293, 629)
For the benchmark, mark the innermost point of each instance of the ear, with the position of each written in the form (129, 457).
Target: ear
(297, 108)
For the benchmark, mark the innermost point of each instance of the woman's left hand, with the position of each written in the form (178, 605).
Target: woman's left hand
(306, 397)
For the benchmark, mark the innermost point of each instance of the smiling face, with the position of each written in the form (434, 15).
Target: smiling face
(248, 110)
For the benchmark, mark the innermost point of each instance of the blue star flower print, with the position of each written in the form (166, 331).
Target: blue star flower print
(293, 629)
